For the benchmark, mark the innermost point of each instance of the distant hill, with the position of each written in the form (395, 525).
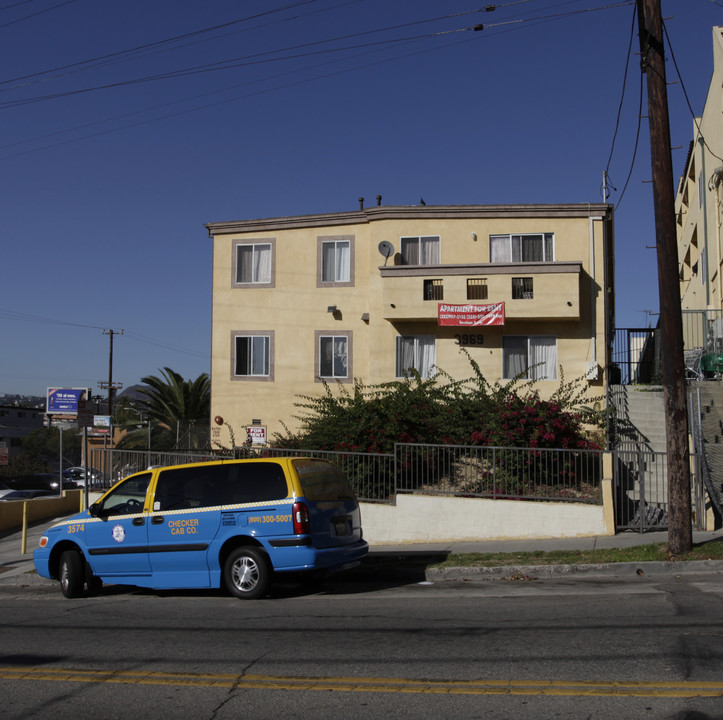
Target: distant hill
(132, 392)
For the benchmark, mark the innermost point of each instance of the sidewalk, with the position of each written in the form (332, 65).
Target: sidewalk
(18, 569)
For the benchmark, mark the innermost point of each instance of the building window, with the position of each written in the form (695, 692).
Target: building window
(433, 290)
(416, 352)
(254, 264)
(333, 355)
(420, 250)
(539, 247)
(253, 355)
(476, 288)
(522, 288)
(335, 264)
(532, 357)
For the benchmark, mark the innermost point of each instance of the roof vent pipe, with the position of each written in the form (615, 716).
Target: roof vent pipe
(379, 200)
(361, 203)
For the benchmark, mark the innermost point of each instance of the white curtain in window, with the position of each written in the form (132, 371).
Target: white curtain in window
(549, 247)
(410, 251)
(262, 263)
(335, 261)
(426, 356)
(253, 264)
(417, 352)
(405, 355)
(342, 261)
(500, 248)
(430, 254)
(514, 356)
(522, 248)
(543, 358)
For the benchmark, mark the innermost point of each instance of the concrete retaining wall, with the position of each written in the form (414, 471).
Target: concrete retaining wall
(43, 508)
(427, 518)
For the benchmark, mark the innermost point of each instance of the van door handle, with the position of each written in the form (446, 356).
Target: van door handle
(157, 520)
(139, 521)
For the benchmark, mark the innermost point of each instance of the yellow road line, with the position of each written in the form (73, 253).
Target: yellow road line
(681, 689)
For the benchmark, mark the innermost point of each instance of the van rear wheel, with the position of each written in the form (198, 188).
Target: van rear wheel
(247, 573)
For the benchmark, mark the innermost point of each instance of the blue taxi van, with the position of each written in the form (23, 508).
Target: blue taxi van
(231, 523)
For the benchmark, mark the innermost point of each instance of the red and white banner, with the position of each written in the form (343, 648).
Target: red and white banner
(471, 315)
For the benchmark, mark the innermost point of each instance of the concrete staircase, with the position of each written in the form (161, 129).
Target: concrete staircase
(641, 416)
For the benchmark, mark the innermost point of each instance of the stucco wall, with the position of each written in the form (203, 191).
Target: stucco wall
(293, 308)
(44, 508)
(424, 518)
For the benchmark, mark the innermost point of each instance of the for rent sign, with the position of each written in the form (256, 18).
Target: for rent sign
(471, 315)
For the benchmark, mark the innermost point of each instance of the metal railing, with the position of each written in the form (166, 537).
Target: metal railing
(500, 472)
(462, 471)
(641, 490)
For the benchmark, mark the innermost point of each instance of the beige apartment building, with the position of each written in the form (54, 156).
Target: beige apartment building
(300, 302)
(698, 201)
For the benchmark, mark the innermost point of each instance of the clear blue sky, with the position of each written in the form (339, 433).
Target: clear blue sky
(128, 125)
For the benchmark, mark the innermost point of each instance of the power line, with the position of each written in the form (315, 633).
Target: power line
(261, 58)
(32, 15)
(156, 43)
(622, 94)
(637, 141)
(25, 317)
(272, 89)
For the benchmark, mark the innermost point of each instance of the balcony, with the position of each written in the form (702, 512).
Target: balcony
(530, 291)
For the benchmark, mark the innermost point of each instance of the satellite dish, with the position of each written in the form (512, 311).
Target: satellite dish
(386, 249)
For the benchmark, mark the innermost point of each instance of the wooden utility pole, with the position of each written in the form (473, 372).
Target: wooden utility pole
(111, 385)
(650, 24)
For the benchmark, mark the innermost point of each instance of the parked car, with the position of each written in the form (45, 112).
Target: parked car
(78, 474)
(4, 490)
(202, 525)
(40, 481)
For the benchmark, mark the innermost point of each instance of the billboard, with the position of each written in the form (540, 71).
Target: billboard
(471, 315)
(64, 401)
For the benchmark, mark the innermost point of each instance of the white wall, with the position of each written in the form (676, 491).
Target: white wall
(425, 518)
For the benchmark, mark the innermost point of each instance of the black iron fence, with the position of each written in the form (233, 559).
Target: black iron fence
(462, 471)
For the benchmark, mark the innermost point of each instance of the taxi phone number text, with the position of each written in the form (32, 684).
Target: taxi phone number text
(270, 518)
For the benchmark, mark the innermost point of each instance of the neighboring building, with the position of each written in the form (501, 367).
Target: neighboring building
(370, 293)
(698, 212)
(16, 423)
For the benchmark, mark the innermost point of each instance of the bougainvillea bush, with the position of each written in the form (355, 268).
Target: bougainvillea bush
(444, 411)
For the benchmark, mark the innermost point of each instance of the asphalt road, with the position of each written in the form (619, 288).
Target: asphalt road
(372, 648)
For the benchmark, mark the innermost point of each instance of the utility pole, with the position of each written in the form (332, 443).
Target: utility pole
(110, 385)
(652, 51)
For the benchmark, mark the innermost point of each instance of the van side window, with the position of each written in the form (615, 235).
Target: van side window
(129, 497)
(212, 485)
(255, 482)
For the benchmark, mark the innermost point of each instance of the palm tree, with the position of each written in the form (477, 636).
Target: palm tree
(177, 409)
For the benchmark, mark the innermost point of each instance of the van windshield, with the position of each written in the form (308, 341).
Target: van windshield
(320, 480)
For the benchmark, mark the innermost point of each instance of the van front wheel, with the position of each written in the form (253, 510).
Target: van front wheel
(247, 573)
(71, 574)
